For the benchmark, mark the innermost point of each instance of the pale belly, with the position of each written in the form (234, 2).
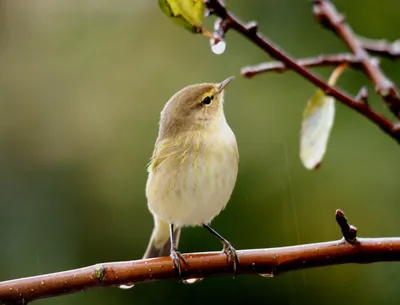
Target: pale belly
(193, 190)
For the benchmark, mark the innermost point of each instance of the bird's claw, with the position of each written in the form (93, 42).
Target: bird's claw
(176, 257)
(231, 255)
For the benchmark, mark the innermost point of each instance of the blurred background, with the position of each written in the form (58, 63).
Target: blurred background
(82, 84)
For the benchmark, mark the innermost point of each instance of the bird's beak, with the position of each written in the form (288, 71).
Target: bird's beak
(224, 83)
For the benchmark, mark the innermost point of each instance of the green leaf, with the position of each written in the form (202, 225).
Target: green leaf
(316, 127)
(186, 13)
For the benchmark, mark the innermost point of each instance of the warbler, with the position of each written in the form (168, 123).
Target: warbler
(193, 170)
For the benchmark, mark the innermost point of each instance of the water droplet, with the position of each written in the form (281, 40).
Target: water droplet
(219, 47)
(150, 270)
(192, 280)
(42, 282)
(127, 286)
(268, 274)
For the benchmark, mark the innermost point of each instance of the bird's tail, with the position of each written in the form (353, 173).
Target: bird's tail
(160, 243)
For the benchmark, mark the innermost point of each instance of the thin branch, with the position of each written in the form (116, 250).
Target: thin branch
(320, 61)
(381, 47)
(251, 32)
(327, 15)
(266, 262)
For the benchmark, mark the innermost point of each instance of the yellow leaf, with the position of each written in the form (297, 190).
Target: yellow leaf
(186, 13)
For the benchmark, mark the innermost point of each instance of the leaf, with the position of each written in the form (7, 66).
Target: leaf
(317, 124)
(186, 13)
(315, 129)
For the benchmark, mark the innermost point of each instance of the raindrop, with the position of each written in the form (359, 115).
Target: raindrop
(268, 274)
(192, 280)
(217, 47)
(126, 286)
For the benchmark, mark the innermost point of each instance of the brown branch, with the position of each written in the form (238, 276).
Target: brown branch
(327, 15)
(381, 47)
(320, 61)
(250, 31)
(267, 262)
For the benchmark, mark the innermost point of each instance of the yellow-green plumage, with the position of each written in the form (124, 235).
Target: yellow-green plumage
(194, 165)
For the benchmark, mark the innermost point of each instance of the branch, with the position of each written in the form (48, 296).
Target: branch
(320, 61)
(381, 47)
(251, 32)
(266, 262)
(328, 16)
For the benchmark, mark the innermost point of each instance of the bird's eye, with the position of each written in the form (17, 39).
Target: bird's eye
(207, 100)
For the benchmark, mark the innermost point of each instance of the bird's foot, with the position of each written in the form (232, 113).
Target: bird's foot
(177, 257)
(231, 255)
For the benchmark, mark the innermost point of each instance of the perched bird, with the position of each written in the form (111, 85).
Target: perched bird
(193, 170)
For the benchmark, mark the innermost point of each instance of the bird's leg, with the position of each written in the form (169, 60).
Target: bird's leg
(176, 256)
(228, 249)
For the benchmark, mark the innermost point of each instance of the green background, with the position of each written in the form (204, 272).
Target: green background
(81, 87)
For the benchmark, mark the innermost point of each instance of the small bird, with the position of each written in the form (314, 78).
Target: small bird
(193, 170)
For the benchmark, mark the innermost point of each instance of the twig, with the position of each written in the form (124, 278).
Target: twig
(251, 32)
(349, 231)
(320, 61)
(381, 47)
(267, 262)
(362, 95)
(327, 15)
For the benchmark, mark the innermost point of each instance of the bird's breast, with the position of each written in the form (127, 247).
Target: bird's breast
(195, 180)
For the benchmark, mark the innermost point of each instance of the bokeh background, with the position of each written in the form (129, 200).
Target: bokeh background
(81, 87)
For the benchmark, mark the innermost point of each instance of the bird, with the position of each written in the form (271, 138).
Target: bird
(193, 170)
